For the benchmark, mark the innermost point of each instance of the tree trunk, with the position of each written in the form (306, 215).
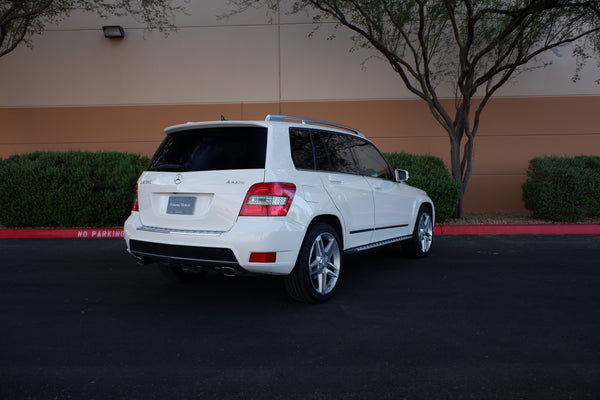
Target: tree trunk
(462, 162)
(456, 170)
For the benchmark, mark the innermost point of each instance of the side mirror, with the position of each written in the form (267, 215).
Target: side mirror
(401, 175)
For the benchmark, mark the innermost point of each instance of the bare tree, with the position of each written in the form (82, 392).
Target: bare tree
(474, 45)
(21, 19)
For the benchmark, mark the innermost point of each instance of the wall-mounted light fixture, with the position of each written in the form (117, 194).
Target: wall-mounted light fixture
(113, 31)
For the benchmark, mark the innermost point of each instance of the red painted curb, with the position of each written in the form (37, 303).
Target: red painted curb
(64, 233)
(546, 229)
(109, 233)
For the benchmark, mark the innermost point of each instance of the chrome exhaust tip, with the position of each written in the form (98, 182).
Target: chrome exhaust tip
(229, 272)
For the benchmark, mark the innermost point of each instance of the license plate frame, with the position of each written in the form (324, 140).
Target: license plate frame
(181, 205)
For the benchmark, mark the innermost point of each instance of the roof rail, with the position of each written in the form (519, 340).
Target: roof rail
(280, 118)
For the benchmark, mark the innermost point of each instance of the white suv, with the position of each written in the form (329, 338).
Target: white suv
(272, 197)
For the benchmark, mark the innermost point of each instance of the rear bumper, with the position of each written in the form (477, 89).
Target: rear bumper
(220, 249)
(187, 254)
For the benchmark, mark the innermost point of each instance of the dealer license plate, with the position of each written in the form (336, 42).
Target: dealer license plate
(181, 205)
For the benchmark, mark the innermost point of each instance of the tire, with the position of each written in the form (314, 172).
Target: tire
(420, 244)
(318, 267)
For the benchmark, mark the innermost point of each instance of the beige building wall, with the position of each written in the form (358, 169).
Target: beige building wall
(79, 90)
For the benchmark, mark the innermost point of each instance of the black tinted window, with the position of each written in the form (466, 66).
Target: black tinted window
(212, 149)
(370, 160)
(302, 149)
(321, 156)
(340, 157)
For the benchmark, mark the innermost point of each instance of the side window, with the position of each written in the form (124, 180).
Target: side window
(340, 156)
(370, 160)
(321, 156)
(302, 149)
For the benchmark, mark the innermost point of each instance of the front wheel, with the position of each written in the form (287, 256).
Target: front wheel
(420, 243)
(319, 265)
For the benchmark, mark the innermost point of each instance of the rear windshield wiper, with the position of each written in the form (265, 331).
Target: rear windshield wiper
(170, 168)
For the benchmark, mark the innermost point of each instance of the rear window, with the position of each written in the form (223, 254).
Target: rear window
(212, 149)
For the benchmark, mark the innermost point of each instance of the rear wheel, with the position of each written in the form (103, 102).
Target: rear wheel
(319, 265)
(420, 243)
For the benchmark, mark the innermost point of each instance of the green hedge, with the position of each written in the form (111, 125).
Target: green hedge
(68, 189)
(430, 174)
(564, 189)
(83, 189)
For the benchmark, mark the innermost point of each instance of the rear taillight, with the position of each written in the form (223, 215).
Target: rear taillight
(136, 205)
(270, 199)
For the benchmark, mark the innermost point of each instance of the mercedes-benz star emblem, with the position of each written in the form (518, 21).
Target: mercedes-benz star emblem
(178, 179)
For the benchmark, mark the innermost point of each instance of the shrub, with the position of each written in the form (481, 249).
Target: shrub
(430, 174)
(68, 189)
(564, 189)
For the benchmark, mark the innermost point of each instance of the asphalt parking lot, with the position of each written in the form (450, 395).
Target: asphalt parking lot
(502, 317)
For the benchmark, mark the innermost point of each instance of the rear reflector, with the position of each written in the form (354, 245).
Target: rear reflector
(269, 199)
(263, 257)
(136, 205)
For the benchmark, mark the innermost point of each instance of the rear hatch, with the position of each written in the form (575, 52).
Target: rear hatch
(199, 177)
